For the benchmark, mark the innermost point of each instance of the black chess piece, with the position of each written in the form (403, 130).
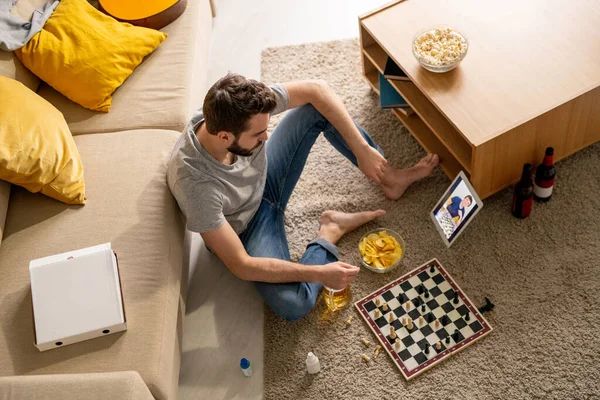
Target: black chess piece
(432, 268)
(401, 298)
(467, 316)
(423, 308)
(448, 339)
(426, 293)
(487, 307)
(444, 320)
(455, 301)
(455, 336)
(420, 289)
(426, 348)
(430, 317)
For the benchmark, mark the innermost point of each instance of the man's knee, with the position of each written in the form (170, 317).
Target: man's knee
(309, 112)
(292, 305)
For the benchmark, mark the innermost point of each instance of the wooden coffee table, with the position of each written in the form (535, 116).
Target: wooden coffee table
(531, 79)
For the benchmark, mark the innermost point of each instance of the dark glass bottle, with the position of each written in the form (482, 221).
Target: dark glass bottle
(523, 196)
(544, 177)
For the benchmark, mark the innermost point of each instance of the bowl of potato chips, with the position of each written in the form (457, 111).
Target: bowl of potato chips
(381, 250)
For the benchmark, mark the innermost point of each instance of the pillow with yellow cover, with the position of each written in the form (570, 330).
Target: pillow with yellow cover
(37, 150)
(85, 54)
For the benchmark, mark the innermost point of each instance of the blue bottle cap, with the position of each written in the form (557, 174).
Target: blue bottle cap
(244, 363)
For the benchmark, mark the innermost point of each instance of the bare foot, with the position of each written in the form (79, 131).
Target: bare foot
(335, 224)
(396, 181)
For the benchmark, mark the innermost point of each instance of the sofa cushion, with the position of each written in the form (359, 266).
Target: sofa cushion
(37, 151)
(4, 196)
(159, 93)
(85, 54)
(11, 67)
(128, 204)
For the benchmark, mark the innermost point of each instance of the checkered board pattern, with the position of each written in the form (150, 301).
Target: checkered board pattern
(445, 220)
(410, 357)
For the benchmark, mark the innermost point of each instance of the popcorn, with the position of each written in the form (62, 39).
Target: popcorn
(441, 46)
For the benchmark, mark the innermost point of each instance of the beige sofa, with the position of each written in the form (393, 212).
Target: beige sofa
(124, 154)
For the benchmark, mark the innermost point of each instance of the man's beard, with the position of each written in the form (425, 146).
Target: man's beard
(238, 150)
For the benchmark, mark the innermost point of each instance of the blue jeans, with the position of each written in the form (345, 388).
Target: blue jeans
(287, 150)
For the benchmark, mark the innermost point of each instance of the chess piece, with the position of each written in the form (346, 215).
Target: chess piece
(429, 317)
(400, 298)
(438, 346)
(385, 307)
(392, 332)
(423, 308)
(448, 339)
(455, 301)
(365, 342)
(398, 344)
(455, 336)
(432, 268)
(467, 316)
(445, 320)
(426, 348)
(377, 302)
(487, 307)
(421, 321)
(437, 323)
(377, 313)
(391, 319)
(410, 324)
(377, 350)
(426, 293)
(407, 305)
(420, 289)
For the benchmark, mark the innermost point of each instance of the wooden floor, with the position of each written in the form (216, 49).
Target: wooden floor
(224, 320)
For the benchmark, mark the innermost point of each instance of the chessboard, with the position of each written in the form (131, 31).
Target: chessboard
(422, 318)
(445, 220)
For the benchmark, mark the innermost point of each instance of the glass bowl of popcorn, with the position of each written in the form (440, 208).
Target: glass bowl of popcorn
(439, 48)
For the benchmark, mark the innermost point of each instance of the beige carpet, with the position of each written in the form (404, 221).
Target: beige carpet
(541, 272)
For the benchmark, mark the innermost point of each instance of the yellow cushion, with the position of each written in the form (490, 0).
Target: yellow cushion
(85, 54)
(37, 150)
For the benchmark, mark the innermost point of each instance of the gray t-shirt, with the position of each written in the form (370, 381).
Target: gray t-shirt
(209, 192)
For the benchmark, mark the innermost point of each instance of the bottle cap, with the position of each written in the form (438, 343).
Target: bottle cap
(244, 363)
(549, 151)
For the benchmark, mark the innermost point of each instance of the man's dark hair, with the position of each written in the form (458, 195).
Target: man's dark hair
(470, 199)
(232, 101)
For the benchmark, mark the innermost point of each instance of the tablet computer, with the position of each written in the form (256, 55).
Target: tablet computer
(456, 209)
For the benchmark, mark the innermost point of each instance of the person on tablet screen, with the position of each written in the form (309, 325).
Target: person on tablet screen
(456, 207)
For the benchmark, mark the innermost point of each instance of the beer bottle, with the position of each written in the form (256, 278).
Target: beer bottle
(544, 177)
(523, 196)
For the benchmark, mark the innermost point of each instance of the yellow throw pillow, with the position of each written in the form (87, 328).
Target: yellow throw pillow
(85, 54)
(37, 150)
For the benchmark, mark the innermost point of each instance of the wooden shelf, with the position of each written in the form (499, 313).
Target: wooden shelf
(457, 145)
(430, 142)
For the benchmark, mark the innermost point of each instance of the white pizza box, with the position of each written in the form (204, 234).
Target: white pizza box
(76, 296)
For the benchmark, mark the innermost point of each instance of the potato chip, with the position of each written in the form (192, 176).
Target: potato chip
(380, 250)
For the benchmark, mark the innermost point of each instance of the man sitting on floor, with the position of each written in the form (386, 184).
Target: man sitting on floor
(233, 189)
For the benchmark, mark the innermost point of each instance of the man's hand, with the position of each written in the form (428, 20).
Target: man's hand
(371, 163)
(337, 275)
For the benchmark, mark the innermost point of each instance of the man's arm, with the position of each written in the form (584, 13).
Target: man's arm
(323, 98)
(228, 246)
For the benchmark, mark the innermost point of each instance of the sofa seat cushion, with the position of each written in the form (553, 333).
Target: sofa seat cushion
(128, 204)
(160, 92)
(11, 67)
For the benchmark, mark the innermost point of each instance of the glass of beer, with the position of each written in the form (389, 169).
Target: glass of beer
(337, 299)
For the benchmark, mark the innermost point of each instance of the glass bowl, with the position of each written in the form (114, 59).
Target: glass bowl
(390, 233)
(441, 66)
